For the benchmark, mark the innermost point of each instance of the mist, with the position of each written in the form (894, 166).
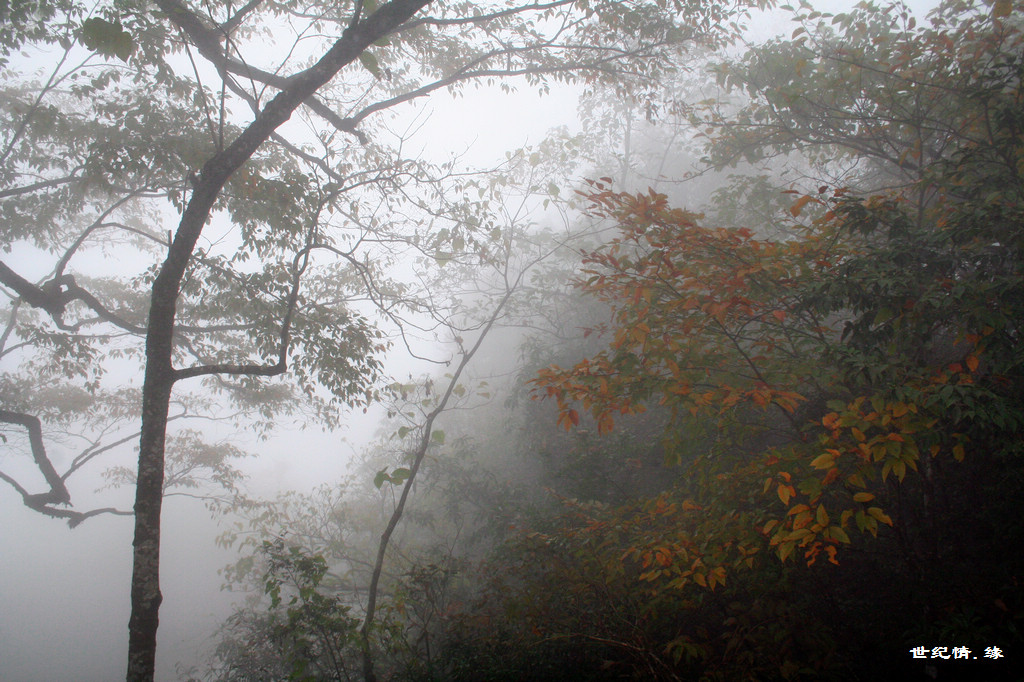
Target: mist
(580, 341)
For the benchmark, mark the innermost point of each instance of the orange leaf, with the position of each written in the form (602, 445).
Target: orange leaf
(797, 509)
(799, 204)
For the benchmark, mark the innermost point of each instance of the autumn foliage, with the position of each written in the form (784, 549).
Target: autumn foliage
(841, 378)
(842, 390)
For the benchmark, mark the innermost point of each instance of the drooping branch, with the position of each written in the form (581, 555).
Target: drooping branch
(45, 502)
(58, 494)
(74, 518)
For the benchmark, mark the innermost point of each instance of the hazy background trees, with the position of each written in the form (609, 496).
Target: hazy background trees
(287, 233)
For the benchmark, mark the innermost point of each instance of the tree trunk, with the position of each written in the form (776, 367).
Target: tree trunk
(146, 597)
(156, 397)
(160, 373)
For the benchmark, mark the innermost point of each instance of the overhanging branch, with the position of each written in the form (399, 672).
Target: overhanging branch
(45, 502)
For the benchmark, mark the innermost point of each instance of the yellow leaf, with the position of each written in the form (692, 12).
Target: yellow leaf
(877, 513)
(821, 517)
(863, 497)
(824, 461)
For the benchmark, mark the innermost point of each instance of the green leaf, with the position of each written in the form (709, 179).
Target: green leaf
(437, 437)
(839, 534)
(381, 478)
(369, 62)
(883, 316)
(107, 38)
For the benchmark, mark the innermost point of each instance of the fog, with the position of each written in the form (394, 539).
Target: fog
(564, 495)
